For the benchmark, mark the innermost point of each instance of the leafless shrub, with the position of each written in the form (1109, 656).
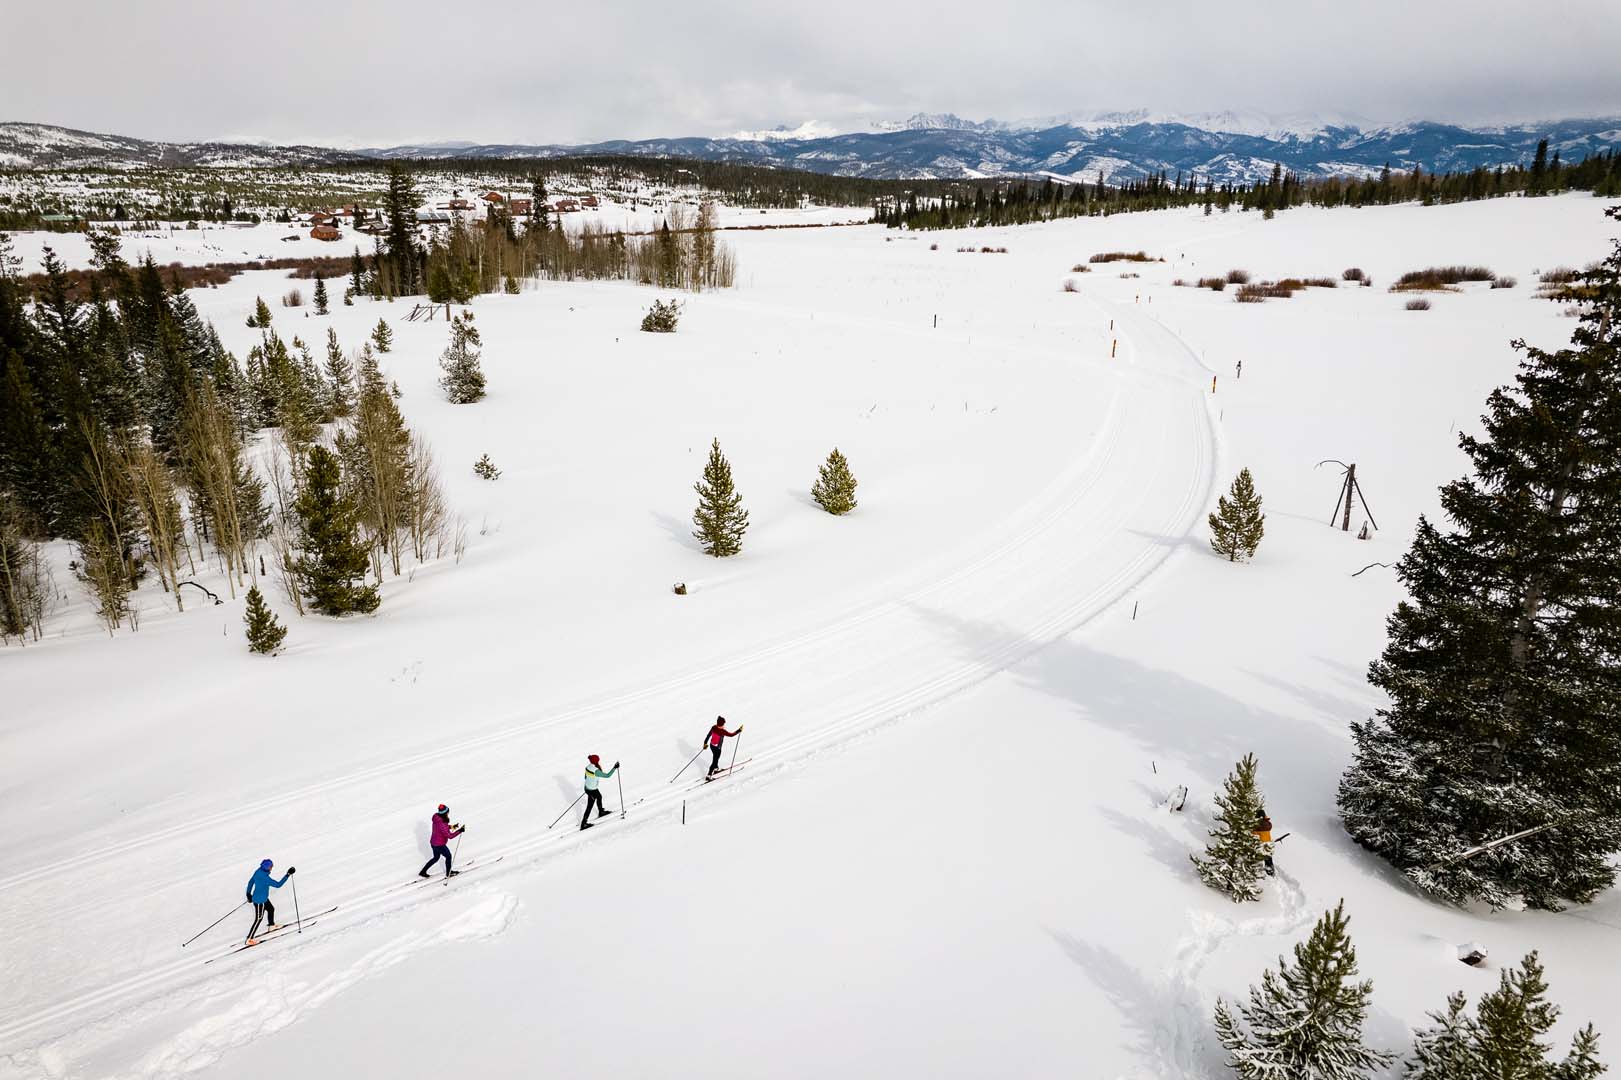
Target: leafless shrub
(1440, 278)
(1178, 282)
(292, 298)
(1070, 286)
(1130, 274)
(1080, 268)
(1122, 256)
(1418, 305)
(1254, 294)
(1504, 282)
(1353, 274)
(1238, 277)
(1214, 283)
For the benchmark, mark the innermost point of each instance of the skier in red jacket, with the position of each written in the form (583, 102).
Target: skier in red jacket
(439, 840)
(717, 735)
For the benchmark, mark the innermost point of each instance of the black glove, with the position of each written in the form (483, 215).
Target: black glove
(616, 764)
(291, 870)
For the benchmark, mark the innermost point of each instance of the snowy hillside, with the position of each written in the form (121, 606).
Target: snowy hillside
(965, 704)
(1224, 147)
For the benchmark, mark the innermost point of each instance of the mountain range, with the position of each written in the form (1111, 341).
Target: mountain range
(1114, 146)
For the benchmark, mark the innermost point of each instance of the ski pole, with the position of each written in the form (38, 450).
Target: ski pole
(736, 743)
(296, 916)
(213, 924)
(619, 776)
(1282, 838)
(458, 850)
(687, 766)
(567, 808)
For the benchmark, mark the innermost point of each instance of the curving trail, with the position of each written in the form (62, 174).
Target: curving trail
(1114, 514)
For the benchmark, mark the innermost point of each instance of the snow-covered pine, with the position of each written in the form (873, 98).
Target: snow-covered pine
(265, 632)
(662, 317)
(339, 378)
(1233, 861)
(463, 380)
(1304, 1022)
(331, 564)
(1501, 664)
(720, 518)
(1237, 524)
(835, 487)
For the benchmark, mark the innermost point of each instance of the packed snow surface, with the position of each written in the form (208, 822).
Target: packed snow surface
(965, 703)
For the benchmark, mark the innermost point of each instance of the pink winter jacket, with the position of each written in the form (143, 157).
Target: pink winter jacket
(442, 832)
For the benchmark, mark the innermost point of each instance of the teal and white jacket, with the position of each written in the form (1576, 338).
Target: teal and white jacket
(593, 775)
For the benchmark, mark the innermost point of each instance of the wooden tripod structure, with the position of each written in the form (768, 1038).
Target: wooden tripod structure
(1349, 487)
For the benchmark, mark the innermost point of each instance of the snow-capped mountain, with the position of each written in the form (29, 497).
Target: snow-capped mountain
(1225, 147)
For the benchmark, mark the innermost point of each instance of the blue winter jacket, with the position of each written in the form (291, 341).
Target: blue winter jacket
(260, 884)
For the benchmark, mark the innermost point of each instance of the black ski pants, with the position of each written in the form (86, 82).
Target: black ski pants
(714, 759)
(440, 851)
(266, 912)
(592, 798)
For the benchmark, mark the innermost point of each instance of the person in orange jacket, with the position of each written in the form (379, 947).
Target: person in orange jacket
(1263, 833)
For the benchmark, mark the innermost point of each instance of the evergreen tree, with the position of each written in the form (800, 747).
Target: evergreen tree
(320, 295)
(1538, 184)
(1233, 860)
(1304, 1022)
(399, 205)
(1502, 665)
(265, 631)
(835, 487)
(260, 319)
(357, 272)
(1237, 524)
(1504, 1040)
(382, 336)
(720, 518)
(339, 378)
(463, 380)
(331, 564)
(661, 318)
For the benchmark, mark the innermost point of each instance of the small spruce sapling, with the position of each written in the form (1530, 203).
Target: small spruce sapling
(265, 631)
(1233, 860)
(1237, 524)
(382, 336)
(661, 317)
(835, 487)
(486, 468)
(320, 296)
(720, 517)
(1305, 1020)
(463, 380)
(260, 319)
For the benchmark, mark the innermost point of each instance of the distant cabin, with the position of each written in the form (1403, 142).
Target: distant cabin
(589, 200)
(520, 207)
(432, 217)
(494, 198)
(566, 206)
(325, 232)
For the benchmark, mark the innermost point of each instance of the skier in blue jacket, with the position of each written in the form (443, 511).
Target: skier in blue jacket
(259, 886)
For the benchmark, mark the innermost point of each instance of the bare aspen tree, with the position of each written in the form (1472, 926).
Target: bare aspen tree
(427, 500)
(220, 479)
(153, 491)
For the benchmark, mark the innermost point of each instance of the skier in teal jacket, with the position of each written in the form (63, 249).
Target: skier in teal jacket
(258, 891)
(593, 795)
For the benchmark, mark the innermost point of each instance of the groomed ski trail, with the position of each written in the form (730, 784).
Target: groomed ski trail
(1115, 514)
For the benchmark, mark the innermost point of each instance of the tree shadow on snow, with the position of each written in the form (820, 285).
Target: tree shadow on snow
(679, 530)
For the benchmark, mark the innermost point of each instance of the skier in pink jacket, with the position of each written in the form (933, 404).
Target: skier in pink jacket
(439, 840)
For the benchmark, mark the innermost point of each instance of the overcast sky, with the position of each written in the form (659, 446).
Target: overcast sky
(364, 72)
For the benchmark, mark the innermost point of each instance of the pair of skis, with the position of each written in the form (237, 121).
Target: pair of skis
(722, 773)
(280, 931)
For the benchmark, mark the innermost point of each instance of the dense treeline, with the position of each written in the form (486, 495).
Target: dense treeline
(462, 259)
(124, 426)
(957, 204)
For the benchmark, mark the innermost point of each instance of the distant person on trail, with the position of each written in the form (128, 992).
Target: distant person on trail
(1263, 833)
(259, 886)
(717, 735)
(593, 795)
(439, 840)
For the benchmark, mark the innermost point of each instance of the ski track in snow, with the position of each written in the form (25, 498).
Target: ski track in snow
(1094, 535)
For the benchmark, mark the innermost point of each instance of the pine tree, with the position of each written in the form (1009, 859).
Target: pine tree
(835, 487)
(320, 295)
(399, 205)
(382, 336)
(260, 319)
(330, 567)
(357, 272)
(463, 380)
(1304, 1022)
(1502, 664)
(720, 517)
(265, 631)
(662, 317)
(339, 377)
(1237, 524)
(1233, 861)
(1504, 1040)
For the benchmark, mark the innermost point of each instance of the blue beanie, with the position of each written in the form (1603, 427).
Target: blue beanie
(266, 865)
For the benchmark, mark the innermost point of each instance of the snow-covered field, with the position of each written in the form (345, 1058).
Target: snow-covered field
(964, 703)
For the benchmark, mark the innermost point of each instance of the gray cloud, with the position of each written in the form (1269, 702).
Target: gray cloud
(368, 72)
